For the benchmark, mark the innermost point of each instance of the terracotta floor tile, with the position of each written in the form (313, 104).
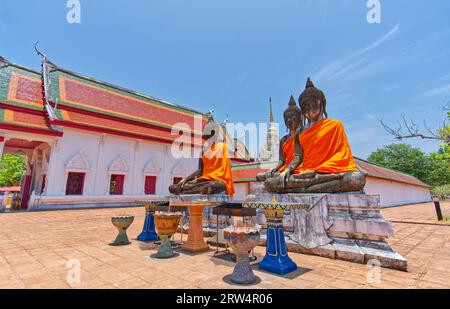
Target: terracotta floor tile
(36, 247)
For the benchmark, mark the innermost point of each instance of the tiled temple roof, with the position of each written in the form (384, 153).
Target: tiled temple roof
(378, 171)
(77, 101)
(21, 100)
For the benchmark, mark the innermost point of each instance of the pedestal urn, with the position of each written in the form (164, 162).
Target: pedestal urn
(166, 225)
(122, 223)
(242, 241)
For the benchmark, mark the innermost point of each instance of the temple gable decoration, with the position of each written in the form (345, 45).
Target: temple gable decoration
(152, 168)
(78, 163)
(178, 170)
(119, 166)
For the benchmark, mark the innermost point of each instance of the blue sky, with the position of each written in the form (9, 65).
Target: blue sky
(235, 54)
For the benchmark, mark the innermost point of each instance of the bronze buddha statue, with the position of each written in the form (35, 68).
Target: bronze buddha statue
(288, 149)
(213, 175)
(322, 158)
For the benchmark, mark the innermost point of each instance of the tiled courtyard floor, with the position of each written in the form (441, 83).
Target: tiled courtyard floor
(35, 249)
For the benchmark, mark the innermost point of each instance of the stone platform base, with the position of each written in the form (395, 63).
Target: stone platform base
(356, 251)
(345, 226)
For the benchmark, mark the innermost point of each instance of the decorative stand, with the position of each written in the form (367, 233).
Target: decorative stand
(148, 232)
(195, 204)
(276, 259)
(122, 223)
(166, 225)
(242, 243)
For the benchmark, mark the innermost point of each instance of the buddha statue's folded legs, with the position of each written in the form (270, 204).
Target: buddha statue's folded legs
(313, 182)
(199, 186)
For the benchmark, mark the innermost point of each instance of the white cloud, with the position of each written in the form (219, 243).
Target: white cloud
(420, 46)
(354, 62)
(442, 90)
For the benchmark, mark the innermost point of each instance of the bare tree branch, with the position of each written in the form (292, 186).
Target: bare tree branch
(407, 128)
(412, 131)
(432, 133)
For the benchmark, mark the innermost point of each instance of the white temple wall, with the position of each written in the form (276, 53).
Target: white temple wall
(101, 151)
(149, 153)
(116, 149)
(71, 144)
(395, 193)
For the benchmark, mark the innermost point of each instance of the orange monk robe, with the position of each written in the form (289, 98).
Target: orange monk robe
(217, 166)
(288, 151)
(326, 149)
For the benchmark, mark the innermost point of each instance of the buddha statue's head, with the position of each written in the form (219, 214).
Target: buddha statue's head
(212, 132)
(293, 116)
(313, 103)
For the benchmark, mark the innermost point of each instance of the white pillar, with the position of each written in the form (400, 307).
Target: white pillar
(134, 173)
(52, 172)
(99, 166)
(165, 172)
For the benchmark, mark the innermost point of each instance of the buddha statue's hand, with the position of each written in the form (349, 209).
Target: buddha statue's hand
(265, 175)
(182, 183)
(283, 177)
(271, 173)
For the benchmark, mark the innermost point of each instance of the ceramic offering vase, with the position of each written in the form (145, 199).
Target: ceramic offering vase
(122, 223)
(166, 225)
(242, 241)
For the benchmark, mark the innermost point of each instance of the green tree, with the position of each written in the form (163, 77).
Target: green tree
(444, 152)
(441, 191)
(437, 170)
(12, 169)
(431, 169)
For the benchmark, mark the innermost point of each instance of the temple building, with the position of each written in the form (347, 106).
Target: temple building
(90, 143)
(93, 144)
(395, 188)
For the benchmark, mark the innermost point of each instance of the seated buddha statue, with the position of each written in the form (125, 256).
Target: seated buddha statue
(325, 162)
(213, 175)
(288, 149)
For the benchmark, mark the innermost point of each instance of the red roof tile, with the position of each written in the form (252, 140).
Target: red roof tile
(84, 121)
(23, 106)
(95, 96)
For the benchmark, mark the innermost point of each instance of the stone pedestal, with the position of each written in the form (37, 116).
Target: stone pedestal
(195, 205)
(346, 226)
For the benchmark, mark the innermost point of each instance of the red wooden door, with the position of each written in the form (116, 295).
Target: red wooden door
(75, 184)
(26, 192)
(120, 179)
(150, 185)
